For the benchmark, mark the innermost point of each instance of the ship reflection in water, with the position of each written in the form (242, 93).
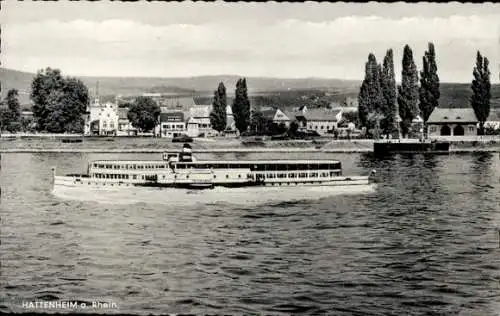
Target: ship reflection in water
(422, 241)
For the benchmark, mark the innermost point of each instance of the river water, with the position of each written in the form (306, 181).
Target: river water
(423, 241)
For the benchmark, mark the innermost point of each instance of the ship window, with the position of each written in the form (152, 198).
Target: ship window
(323, 166)
(142, 177)
(215, 176)
(291, 175)
(126, 176)
(239, 176)
(302, 175)
(187, 177)
(227, 176)
(134, 177)
(314, 175)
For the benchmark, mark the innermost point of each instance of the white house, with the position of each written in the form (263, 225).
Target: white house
(276, 116)
(102, 119)
(198, 123)
(172, 124)
(320, 120)
(493, 120)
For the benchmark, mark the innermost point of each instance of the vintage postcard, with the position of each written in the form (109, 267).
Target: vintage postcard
(250, 158)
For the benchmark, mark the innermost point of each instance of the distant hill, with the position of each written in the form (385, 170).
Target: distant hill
(201, 85)
(270, 90)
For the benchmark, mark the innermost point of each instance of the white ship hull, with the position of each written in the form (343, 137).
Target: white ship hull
(107, 184)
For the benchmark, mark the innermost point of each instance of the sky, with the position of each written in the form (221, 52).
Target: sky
(286, 40)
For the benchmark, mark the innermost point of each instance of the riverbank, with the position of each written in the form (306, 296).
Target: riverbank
(214, 145)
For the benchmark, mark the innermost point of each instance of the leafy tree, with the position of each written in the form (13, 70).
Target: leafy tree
(294, 127)
(350, 117)
(218, 114)
(408, 91)
(10, 117)
(481, 90)
(257, 122)
(370, 97)
(144, 114)
(388, 85)
(429, 84)
(241, 106)
(58, 103)
(13, 104)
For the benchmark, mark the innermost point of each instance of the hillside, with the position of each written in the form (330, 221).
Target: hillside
(202, 85)
(264, 91)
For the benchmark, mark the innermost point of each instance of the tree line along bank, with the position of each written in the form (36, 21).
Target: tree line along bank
(59, 103)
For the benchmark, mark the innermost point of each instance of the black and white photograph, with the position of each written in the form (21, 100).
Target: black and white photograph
(265, 158)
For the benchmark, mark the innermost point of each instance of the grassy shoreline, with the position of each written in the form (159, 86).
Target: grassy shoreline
(214, 145)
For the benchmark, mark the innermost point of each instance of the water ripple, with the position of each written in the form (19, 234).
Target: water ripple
(424, 243)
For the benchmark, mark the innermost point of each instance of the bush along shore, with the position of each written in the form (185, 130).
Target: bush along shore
(207, 145)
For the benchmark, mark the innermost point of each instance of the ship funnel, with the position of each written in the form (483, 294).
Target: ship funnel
(186, 154)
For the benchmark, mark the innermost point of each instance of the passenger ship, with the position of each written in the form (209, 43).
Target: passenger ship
(184, 171)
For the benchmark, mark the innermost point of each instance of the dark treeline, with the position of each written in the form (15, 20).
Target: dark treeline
(389, 110)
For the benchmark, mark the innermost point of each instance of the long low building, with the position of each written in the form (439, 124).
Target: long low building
(452, 122)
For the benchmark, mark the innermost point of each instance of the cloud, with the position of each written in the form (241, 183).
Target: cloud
(286, 47)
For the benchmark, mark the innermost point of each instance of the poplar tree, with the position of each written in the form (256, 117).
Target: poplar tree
(388, 85)
(218, 114)
(429, 84)
(370, 98)
(481, 90)
(408, 91)
(241, 106)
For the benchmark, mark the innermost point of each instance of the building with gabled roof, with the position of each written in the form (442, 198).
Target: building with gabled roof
(172, 123)
(452, 122)
(199, 124)
(493, 120)
(321, 120)
(276, 115)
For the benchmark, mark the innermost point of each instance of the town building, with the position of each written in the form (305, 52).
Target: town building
(172, 124)
(320, 120)
(276, 115)
(452, 122)
(177, 103)
(230, 123)
(198, 124)
(101, 119)
(493, 120)
(125, 127)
